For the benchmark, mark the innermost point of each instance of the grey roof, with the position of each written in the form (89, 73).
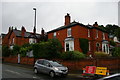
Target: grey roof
(27, 34)
(76, 23)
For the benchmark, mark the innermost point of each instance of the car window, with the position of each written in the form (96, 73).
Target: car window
(46, 63)
(55, 64)
(40, 61)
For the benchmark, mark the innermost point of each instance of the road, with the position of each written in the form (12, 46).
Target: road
(10, 72)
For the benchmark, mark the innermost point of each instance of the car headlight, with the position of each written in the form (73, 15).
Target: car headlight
(56, 68)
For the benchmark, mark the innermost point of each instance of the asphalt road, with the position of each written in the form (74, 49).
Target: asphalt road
(10, 72)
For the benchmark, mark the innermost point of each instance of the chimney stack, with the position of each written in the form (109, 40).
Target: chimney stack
(67, 19)
(95, 24)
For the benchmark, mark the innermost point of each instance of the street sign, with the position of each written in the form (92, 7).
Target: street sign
(101, 70)
(90, 69)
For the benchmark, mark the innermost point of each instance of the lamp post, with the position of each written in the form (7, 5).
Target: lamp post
(34, 21)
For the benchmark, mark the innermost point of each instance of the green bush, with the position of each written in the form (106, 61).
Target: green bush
(50, 49)
(16, 49)
(84, 45)
(72, 55)
(112, 43)
(116, 52)
(101, 54)
(6, 51)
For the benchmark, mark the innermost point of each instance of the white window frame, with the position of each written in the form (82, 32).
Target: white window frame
(71, 45)
(103, 36)
(69, 35)
(88, 33)
(96, 33)
(54, 34)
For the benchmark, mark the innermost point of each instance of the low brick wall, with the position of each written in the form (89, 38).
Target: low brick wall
(110, 63)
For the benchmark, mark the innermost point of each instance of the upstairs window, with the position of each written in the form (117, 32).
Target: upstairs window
(88, 33)
(69, 32)
(54, 34)
(103, 36)
(96, 33)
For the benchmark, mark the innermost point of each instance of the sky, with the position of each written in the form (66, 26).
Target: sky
(50, 14)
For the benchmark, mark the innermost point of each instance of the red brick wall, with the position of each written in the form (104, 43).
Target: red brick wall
(110, 63)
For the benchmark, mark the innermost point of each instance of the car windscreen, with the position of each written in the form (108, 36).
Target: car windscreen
(55, 64)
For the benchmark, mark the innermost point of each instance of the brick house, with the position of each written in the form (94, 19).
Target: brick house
(20, 37)
(70, 33)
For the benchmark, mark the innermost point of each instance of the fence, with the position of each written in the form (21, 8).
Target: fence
(110, 63)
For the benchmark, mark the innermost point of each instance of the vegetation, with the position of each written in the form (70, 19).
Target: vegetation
(16, 49)
(84, 45)
(72, 55)
(112, 43)
(101, 54)
(6, 51)
(49, 49)
(116, 52)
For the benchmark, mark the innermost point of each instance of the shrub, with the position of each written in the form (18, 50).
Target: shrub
(84, 45)
(116, 52)
(50, 49)
(112, 43)
(72, 55)
(16, 49)
(101, 54)
(6, 51)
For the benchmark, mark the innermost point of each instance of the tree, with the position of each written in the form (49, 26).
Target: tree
(117, 33)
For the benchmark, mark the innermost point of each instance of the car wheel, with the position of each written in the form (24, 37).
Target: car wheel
(52, 74)
(35, 71)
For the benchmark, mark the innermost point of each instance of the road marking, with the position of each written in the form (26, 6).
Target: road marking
(13, 72)
(34, 77)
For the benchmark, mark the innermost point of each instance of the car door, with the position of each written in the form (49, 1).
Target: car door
(47, 67)
(40, 65)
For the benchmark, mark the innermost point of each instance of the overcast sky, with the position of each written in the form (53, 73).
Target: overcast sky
(50, 15)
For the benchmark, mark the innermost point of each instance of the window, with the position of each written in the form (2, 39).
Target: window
(69, 32)
(96, 33)
(103, 36)
(40, 61)
(69, 46)
(54, 34)
(89, 46)
(88, 33)
(97, 46)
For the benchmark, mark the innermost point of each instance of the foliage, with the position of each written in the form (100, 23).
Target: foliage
(6, 51)
(16, 49)
(72, 55)
(23, 51)
(117, 33)
(101, 54)
(116, 52)
(49, 49)
(84, 45)
(112, 43)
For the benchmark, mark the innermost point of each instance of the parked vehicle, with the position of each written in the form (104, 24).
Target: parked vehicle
(52, 68)
(111, 77)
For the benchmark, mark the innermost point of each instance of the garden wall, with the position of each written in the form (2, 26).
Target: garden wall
(110, 63)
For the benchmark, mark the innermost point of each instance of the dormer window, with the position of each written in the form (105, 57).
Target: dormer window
(54, 34)
(69, 32)
(88, 33)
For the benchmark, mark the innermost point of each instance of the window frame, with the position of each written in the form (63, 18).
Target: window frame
(69, 30)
